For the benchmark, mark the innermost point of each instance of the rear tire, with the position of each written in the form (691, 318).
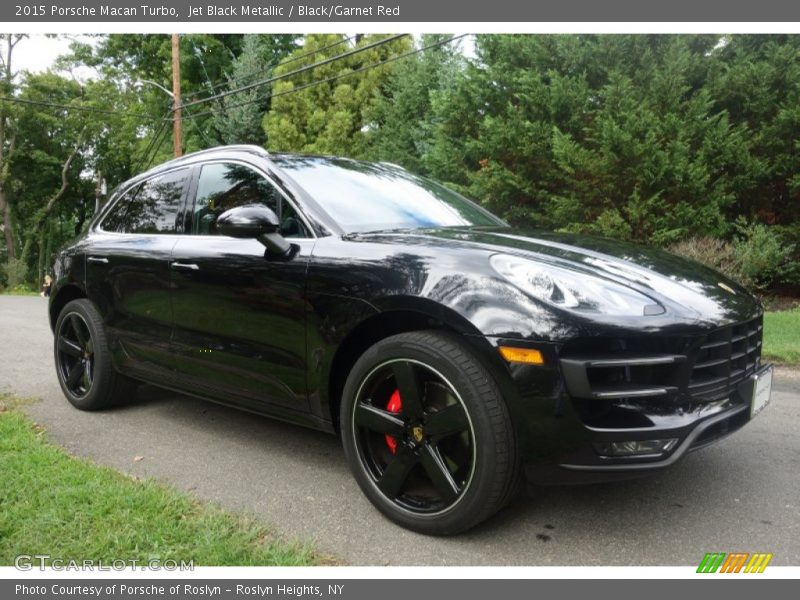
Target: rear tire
(427, 434)
(83, 360)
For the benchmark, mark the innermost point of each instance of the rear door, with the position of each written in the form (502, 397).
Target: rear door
(128, 275)
(239, 313)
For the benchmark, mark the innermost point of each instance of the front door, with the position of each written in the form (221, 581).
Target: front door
(239, 313)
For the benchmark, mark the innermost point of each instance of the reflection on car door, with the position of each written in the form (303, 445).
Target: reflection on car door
(239, 314)
(127, 271)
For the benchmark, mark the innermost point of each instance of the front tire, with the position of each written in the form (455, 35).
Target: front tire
(427, 434)
(83, 360)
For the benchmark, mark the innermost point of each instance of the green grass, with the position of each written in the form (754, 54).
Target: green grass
(71, 509)
(782, 336)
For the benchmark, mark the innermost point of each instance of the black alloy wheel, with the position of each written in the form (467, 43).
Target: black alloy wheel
(83, 360)
(427, 434)
(414, 436)
(75, 355)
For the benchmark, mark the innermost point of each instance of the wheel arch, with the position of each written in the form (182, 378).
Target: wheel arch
(396, 315)
(62, 297)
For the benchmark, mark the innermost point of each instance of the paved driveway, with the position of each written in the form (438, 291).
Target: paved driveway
(742, 494)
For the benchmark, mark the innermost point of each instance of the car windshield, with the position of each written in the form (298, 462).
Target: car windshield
(363, 196)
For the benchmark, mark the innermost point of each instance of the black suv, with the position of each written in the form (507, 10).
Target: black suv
(452, 353)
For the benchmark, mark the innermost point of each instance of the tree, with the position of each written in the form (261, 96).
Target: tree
(238, 117)
(131, 59)
(313, 113)
(402, 122)
(756, 81)
(7, 136)
(47, 164)
(617, 135)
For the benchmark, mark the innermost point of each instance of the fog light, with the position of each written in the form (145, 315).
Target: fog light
(635, 448)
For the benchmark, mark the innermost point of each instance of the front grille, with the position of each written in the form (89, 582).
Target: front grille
(657, 368)
(724, 358)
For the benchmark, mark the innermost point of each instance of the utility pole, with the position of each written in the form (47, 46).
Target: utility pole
(177, 135)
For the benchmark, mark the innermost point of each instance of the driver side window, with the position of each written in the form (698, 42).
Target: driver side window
(223, 186)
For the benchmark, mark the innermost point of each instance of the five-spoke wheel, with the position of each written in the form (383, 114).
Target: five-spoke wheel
(83, 360)
(427, 433)
(413, 436)
(75, 355)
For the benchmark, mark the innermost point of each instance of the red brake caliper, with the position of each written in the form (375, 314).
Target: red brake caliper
(395, 405)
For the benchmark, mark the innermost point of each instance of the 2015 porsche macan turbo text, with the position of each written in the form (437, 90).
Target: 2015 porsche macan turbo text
(454, 354)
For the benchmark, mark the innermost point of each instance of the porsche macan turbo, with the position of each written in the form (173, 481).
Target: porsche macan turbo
(454, 355)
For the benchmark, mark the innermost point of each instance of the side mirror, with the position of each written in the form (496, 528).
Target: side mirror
(254, 221)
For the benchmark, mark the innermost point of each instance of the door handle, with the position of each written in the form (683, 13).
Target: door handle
(185, 266)
(98, 259)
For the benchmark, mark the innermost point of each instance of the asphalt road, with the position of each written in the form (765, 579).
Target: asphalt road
(742, 494)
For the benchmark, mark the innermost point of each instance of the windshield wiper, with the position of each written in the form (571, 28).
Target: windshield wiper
(356, 234)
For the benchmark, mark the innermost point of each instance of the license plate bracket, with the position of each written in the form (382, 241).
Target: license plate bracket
(762, 390)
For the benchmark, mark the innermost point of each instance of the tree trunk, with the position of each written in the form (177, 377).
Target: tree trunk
(40, 271)
(8, 231)
(48, 251)
(44, 214)
(6, 152)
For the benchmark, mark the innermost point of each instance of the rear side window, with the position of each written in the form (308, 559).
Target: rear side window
(223, 186)
(155, 207)
(115, 219)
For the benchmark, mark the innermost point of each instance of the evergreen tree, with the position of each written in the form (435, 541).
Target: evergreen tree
(402, 123)
(331, 117)
(238, 117)
(609, 134)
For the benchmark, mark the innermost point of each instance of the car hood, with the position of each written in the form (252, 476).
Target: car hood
(687, 289)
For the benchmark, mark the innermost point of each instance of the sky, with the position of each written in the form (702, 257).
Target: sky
(38, 52)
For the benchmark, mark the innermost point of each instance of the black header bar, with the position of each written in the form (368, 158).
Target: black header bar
(443, 11)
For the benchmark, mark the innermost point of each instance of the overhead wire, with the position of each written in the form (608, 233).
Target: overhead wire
(303, 69)
(374, 65)
(75, 107)
(163, 124)
(226, 82)
(157, 147)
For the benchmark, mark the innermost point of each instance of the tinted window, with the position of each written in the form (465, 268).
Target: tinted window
(115, 218)
(156, 205)
(364, 196)
(224, 185)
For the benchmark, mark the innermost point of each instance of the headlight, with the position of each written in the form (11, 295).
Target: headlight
(572, 290)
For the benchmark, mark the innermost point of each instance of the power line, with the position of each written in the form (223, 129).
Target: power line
(326, 61)
(335, 77)
(226, 82)
(73, 107)
(163, 124)
(146, 152)
(157, 147)
(199, 129)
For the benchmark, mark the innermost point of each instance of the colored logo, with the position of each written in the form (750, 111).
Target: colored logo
(735, 562)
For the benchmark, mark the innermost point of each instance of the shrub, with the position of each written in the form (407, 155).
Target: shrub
(761, 256)
(14, 271)
(715, 253)
(757, 257)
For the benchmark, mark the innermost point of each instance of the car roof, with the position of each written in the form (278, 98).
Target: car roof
(209, 153)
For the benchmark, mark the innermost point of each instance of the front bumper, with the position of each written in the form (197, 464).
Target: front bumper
(693, 390)
(585, 466)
